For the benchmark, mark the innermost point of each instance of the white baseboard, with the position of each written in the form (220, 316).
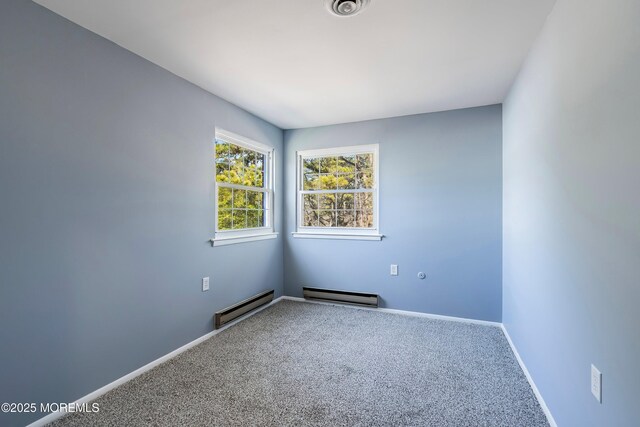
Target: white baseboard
(536, 392)
(402, 312)
(95, 394)
(102, 390)
(541, 401)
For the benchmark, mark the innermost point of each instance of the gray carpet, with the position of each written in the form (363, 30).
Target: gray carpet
(303, 364)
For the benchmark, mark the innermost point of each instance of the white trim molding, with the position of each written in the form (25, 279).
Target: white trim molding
(47, 419)
(232, 240)
(536, 392)
(334, 232)
(402, 312)
(243, 235)
(338, 236)
(236, 139)
(99, 392)
(500, 325)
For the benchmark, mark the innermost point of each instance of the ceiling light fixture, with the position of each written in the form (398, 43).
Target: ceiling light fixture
(344, 8)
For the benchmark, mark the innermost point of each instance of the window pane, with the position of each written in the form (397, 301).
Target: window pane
(364, 179)
(364, 161)
(346, 181)
(345, 201)
(310, 182)
(310, 166)
(239, 198)
(239, 209)
(222, 152)
(346, 218)
(252, 174)
(236, 174)
(310, 218)
(255, 218)
(328, 182)
(327, 201)
(235, 154)
(364, 219)
(364, 210)
(364, 201)
(236, 164)
(367, 219)
(341, 191)
(239, 219)
(249, 159)
(328, 165)
(222, 172)
(224, 198)
(327, 218)
(224, 219)
(310, 202)
(260, 163)
(255, 200)
(346, 164)
(252, 178)
(259, 180)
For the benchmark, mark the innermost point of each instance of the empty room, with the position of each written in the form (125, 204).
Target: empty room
(320, 213)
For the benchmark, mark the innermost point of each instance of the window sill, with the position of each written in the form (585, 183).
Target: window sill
(337, 236)
(223, 241)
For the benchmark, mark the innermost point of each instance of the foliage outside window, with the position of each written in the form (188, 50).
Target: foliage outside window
(243, 186)
(337, 190)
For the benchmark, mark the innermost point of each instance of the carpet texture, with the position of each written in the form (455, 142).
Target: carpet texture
(303, 364)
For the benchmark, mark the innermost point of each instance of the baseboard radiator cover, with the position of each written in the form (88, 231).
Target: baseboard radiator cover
(344, 297)
(243, 307)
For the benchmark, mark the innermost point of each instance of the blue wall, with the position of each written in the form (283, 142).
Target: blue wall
(106, 189)
(440, 210)
(106, 209)
(572, 211)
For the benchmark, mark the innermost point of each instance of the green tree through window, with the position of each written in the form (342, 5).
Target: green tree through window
(337, 191)
(241, 190)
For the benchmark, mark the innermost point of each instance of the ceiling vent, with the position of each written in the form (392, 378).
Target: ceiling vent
(344, 8)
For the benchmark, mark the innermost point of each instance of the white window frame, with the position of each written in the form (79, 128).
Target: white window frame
(229, 237)
(344, 233)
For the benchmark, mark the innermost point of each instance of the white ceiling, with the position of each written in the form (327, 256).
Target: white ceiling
(295, 65)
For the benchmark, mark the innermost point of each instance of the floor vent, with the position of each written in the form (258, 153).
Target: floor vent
(243, 307)
(346, 297)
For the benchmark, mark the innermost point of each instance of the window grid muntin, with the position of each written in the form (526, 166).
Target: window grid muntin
(265, 206)
(266, 189)
(371, 171)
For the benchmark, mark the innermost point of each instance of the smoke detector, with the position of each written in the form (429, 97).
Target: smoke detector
(344, 8)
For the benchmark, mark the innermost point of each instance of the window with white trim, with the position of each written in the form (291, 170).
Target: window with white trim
(243, 189)
(338, 193)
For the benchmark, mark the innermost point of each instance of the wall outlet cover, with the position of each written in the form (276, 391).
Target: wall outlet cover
(205, 284)
(394, 269)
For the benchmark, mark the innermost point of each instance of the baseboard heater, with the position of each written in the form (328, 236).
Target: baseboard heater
(345, 297)
(243, 307)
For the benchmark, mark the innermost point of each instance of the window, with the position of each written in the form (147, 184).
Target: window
(338, 193)
(243, 190)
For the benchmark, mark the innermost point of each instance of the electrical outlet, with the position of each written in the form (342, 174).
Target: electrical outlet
(596, 383)
(394, 269)
(205, 284)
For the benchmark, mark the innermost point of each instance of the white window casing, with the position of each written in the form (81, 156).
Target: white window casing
(335, 231)
(243, 235)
